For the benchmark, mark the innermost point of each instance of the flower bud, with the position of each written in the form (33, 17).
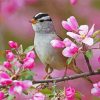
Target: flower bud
(28, 63)
(13, 44)
(7, 64)
(70, 93)
(30, 54)
(1, 95)
(10, 56)
(39, 96)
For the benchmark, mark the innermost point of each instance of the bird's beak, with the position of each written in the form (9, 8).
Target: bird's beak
(33, 21)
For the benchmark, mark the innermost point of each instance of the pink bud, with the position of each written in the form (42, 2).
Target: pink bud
(30, 54)
(13, 44)
(7, 64)
(10, 56)
(70, 93)
(73, 2)
(57, 44)
(99, 59)
(1, 95)
(28, 63)
(19, 86)
(5, 79)
(39, 96)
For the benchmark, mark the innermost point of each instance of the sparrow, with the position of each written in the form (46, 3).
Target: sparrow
(51, 57)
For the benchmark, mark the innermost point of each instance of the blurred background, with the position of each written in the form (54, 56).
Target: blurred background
(14, 25)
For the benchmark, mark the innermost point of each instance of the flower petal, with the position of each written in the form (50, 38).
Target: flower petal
(57, 44)
(67, 42)
(74, 22)
(83, 29)
(91, 31)
(66, 52)
(74, 36)
(66, 25)
(88, 41)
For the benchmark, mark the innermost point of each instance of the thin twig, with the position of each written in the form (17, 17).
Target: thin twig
(75, 76)
(88, 63)
(87, 59)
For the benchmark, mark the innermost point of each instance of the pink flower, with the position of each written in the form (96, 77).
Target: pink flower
(84, 35)
(31, 54)
(70, 93)
(19, 86)
(28, 63)
(57, 43)
(73, 2)
(11, 6)
(13, 44)
(5, 79)
(39, 96)
(71, 24)
(70, 49)
(7, 64)
(96, 90)
(1, 95)
(99, 59)
(9, 56)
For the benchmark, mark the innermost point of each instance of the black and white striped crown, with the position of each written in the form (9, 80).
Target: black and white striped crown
(42, 17)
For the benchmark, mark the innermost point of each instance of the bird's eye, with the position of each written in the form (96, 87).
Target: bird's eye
(41, 20)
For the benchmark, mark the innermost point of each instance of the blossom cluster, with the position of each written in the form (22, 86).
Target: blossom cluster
(16, 63)
(81, 35)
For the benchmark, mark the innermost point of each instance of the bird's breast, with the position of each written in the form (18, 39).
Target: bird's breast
(46, 53)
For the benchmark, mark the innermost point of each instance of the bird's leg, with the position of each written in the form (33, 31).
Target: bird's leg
(48, 70)
(65, 72)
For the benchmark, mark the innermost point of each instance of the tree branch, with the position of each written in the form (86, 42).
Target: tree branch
(88, 63)
(75, 76)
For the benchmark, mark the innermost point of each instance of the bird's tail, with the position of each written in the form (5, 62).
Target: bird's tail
(79, 71)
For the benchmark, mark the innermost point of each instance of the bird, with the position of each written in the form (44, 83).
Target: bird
(51, 57)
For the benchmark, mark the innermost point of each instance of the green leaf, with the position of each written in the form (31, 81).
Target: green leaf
(78, 95)
(95, 33)
(96, 40)
(10, 97)
(29, 49)
(89, 54)
(69, 60)
(46, 91)
(27, 75)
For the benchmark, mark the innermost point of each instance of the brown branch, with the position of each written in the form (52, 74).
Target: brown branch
(75, 76)
(88, 63)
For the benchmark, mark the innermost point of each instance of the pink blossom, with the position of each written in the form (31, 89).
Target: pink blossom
(19, 86)
(7, 64)
(71, 48)
(96, 89)
(57, 43)
(1, 95)
(70, 93)
(11, 6)
(84, 35)
(73, 2)
(13, 44)
(99, 59)
(9, 56)
(28, 63)
(31, 54)
(39, 96)
(71, 24)
(5, 79)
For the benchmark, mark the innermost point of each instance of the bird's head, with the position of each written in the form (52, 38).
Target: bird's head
(42, 22)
